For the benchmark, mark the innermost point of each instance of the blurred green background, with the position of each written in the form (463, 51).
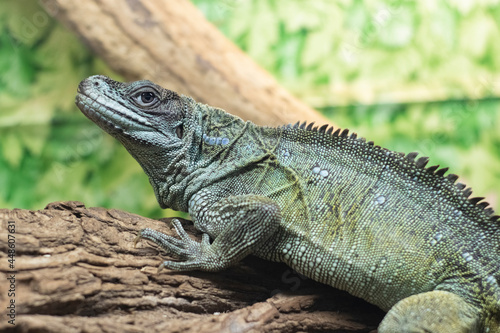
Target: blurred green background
(410, 75)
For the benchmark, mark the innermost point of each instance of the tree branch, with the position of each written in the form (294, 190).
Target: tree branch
(77, 270)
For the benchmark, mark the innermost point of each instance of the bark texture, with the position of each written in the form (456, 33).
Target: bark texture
(171, 43)
(78, 271)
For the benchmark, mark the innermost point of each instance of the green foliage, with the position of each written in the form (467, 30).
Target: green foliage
(357, 61)
(347, 52)
(48, 150)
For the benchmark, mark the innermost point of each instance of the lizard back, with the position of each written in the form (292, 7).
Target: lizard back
(373, 213)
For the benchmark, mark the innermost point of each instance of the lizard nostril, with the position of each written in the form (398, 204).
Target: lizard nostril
(96, 84)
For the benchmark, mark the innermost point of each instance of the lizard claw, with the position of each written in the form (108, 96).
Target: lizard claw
(138, 238)
(160, 268)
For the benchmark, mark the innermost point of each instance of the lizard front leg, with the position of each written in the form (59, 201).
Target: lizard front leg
(239, 225)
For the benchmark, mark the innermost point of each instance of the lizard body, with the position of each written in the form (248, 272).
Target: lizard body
(332, 206)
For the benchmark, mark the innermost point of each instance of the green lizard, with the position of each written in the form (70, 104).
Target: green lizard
(335, 208)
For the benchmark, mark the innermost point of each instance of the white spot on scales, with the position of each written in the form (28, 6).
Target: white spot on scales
(322, 172)
(380, 199)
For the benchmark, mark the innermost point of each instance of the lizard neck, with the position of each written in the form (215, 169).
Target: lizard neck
(211, 145)
(222, 145)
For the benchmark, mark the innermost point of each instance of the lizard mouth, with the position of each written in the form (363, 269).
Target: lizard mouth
(99, 114)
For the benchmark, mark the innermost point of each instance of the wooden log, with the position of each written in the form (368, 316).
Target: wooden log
(172, 44)
(76, 270)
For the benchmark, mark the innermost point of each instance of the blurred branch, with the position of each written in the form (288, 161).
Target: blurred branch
(171, 43)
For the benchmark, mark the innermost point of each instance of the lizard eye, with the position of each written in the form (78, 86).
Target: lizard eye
(146, 98)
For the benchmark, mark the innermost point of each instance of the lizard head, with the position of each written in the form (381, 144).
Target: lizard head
(137, 111)
(153, 123)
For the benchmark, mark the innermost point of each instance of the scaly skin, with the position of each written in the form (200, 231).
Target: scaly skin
(337, 209)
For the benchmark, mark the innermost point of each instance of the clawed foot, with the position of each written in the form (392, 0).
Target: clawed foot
(195, 255)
